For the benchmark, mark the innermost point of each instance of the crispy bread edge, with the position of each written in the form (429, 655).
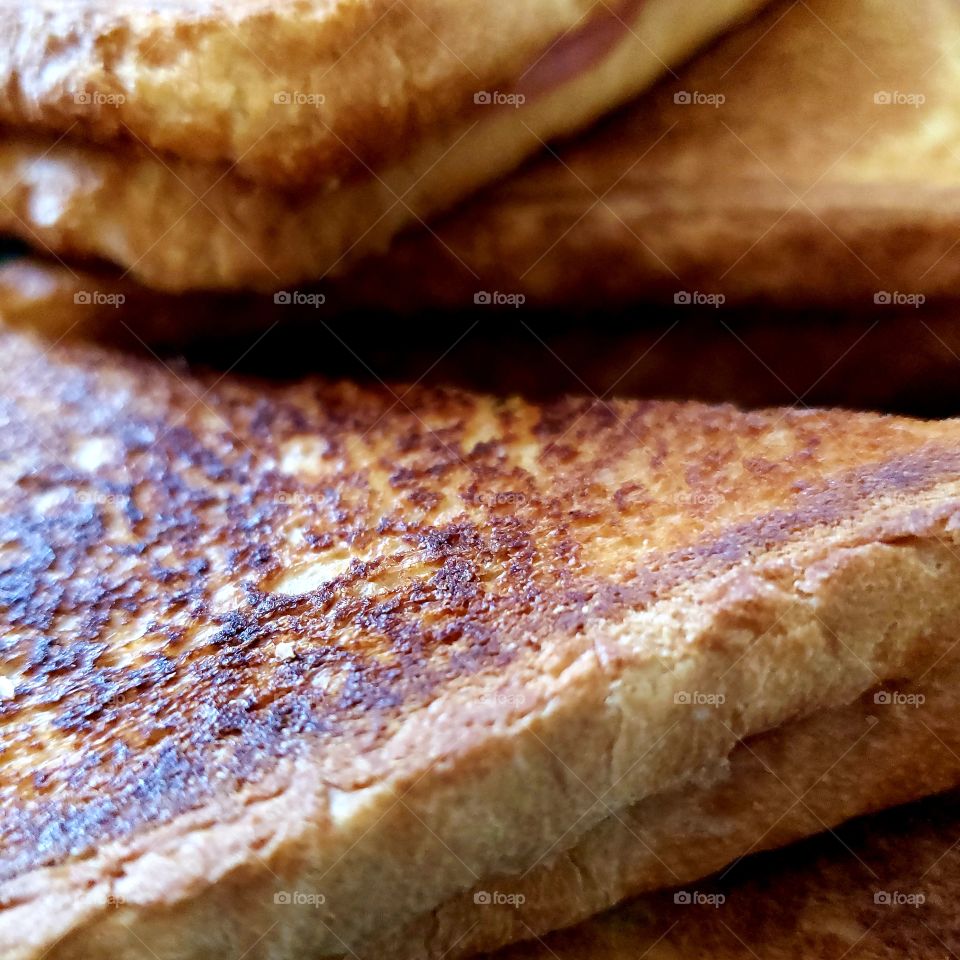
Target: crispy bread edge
(890, 747)
(801, 609)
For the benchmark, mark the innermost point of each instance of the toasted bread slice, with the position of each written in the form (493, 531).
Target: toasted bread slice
(881, 889)
(359, 648)
(798, 188)
(209, 213)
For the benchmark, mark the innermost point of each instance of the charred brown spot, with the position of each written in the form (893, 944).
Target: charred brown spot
(164, 536)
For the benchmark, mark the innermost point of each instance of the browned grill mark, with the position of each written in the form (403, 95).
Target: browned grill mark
(450, 527)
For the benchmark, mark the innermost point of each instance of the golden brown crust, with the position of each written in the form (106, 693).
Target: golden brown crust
(358, 83)
(322, 636)
(178, 222)
(695, 198)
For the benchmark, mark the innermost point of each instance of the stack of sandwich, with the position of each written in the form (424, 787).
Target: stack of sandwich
(556, 625)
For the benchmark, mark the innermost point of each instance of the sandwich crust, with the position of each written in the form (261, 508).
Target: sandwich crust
(736, 198)
(895, 744)
(318, 638)
(880, 889)
(178, 222)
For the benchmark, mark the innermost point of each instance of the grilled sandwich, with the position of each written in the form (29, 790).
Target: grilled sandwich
(809, 158)
(319, 669)
(262, 143)
(760, 171)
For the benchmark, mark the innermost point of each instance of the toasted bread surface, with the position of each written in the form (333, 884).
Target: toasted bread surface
(735, 198)
(327, 637)
(290, 93)
(180, 222)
